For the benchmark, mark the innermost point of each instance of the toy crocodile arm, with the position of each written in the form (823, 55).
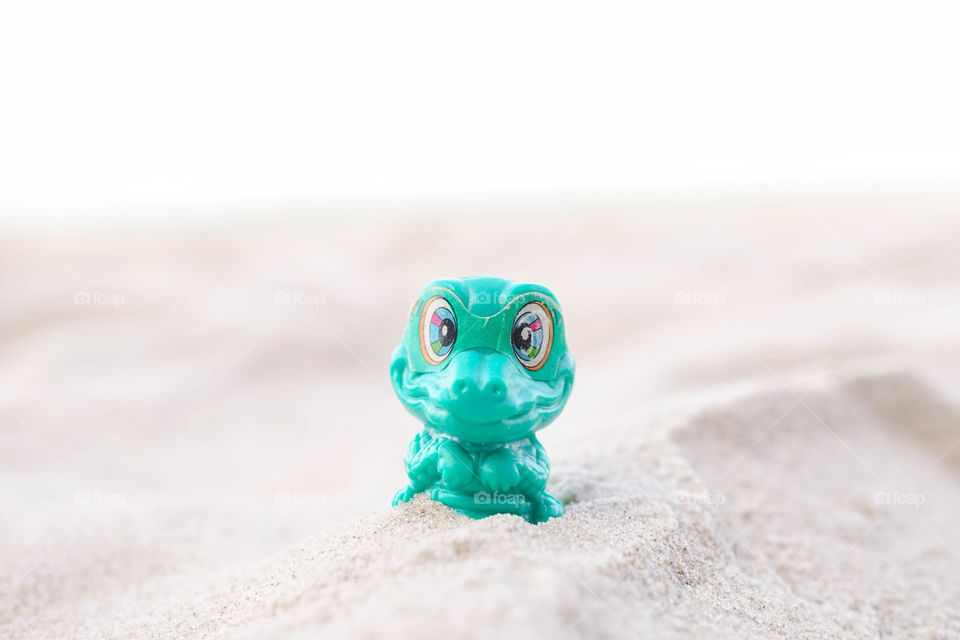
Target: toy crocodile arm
(524, 467)
(534, 467)
(421, 463)
(421, 460)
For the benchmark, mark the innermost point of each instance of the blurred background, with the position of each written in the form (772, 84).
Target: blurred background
(215, 216)
(132, 112)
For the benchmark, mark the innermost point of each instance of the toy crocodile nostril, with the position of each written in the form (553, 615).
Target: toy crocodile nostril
(462, 387)
(496, 389)
(484, 365)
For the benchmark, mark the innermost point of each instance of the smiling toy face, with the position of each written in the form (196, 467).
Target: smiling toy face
(484, 359)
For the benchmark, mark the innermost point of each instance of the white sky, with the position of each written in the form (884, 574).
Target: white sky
(124, 105)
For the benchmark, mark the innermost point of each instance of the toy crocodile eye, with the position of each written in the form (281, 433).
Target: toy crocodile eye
(531, 335)
(438, 330)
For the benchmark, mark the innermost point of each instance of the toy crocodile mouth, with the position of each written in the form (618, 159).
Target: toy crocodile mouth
(548, 398)
(542, 404)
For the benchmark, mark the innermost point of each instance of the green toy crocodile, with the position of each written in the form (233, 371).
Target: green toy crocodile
(484, 365)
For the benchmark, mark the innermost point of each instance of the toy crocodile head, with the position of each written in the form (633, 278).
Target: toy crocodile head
(484, 359)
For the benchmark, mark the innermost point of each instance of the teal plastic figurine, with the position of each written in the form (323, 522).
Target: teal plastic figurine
(484, 365)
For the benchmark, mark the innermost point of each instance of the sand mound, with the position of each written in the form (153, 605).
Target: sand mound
(753, 518)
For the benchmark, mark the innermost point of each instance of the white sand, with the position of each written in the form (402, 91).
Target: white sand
(778, 458)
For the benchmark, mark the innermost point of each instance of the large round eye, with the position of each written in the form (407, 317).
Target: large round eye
(438, 330)
(531, 335)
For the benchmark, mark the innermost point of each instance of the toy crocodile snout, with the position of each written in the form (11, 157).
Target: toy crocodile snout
(482, 385)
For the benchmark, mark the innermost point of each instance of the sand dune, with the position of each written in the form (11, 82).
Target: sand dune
(716, 525)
